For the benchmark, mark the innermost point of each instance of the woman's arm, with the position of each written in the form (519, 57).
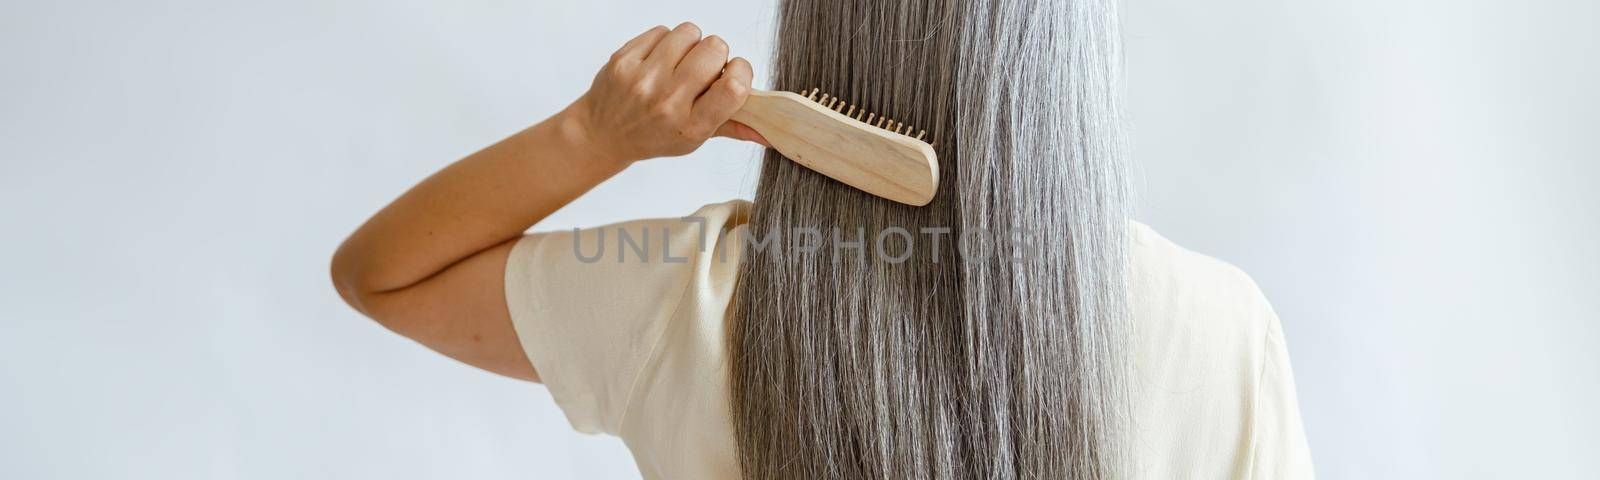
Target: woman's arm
(431, 264)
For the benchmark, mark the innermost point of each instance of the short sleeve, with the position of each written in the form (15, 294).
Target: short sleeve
(1277, 434)
(590, 306)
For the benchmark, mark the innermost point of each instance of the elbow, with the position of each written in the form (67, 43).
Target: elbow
(361, 281)
(343, 271)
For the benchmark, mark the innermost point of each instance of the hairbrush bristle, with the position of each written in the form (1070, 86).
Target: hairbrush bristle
(861, 114)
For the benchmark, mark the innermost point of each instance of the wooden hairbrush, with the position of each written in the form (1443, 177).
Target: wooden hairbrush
(874, 154)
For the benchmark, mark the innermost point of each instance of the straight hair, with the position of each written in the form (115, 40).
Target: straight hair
(955, 362)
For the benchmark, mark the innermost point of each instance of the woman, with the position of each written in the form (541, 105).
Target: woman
(1020, 326)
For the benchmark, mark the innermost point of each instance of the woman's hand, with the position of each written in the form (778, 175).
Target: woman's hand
(663, 94)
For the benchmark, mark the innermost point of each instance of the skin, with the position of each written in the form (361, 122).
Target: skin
(431, 265)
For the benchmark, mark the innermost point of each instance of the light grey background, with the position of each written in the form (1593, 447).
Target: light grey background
(1409, 181)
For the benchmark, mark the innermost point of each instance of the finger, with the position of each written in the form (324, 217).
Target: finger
(740, 131)
(725, 96)
(640, 46)
(670, 50)
(701, 66)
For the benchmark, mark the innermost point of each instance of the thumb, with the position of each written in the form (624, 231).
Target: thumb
(740, 131)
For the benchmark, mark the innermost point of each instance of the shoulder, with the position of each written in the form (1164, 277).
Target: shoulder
(1190, 307)
(1183, 285)
(593, 307)
(676, 420)
(1205, 340)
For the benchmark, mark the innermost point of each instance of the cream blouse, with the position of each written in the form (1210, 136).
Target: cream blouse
(624, 324)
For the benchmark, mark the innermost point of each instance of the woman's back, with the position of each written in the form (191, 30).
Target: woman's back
(1018, 326)
(1212, 395)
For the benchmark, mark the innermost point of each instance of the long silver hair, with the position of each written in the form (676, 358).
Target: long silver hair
(995, 350)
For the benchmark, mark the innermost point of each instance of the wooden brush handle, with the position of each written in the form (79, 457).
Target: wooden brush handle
(874, 160)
